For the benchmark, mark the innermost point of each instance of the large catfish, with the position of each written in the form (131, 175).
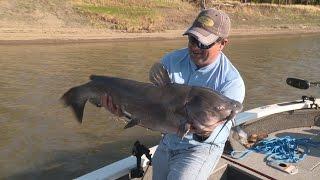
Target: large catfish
(161, 105)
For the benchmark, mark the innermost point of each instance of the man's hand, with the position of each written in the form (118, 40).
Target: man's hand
(106, 102)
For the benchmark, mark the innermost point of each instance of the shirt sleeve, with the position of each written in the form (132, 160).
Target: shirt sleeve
(234, 89)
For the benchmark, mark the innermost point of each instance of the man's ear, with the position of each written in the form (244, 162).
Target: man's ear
(223, 43)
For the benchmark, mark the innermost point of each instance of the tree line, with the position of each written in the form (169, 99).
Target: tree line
(305, 2)
(287, 2)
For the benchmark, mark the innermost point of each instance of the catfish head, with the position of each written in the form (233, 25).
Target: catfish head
(206, 109)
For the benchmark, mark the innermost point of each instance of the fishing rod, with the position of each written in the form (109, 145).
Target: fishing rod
(301, 83)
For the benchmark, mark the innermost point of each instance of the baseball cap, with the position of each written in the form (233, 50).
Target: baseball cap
(209, 26)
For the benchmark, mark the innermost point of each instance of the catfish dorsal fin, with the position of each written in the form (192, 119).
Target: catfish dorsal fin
(158, 75)
(96, 77)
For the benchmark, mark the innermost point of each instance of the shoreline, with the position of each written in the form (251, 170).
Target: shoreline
(17, 36)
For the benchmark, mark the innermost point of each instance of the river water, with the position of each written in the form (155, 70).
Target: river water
(40, 139)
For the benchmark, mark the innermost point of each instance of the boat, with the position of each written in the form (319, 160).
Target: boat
(296, 119)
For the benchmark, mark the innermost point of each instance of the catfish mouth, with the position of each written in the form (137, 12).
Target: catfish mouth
(204, 126)
(200, 130)
(204, 134)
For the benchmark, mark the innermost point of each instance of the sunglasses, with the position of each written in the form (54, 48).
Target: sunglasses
(194, 41)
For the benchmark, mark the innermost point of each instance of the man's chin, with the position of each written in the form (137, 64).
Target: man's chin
(196, 58)
(199, 62)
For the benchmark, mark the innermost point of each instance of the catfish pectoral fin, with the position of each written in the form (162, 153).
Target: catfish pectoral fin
(158, 75)
(132, 123)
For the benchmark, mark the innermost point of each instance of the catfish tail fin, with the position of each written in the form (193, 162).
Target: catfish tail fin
(76, 98)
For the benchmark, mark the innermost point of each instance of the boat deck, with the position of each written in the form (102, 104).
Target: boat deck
(229, 168)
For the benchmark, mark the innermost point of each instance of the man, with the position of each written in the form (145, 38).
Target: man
(201, 64)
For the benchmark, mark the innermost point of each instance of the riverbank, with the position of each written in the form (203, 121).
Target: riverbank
(58, 35)
(55, 21)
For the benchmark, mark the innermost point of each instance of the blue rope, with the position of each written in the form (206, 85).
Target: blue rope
(283, 149)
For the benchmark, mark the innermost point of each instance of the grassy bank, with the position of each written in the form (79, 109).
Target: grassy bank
(107, 19)
(137, 15)
(158, 15)
(274, 16)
